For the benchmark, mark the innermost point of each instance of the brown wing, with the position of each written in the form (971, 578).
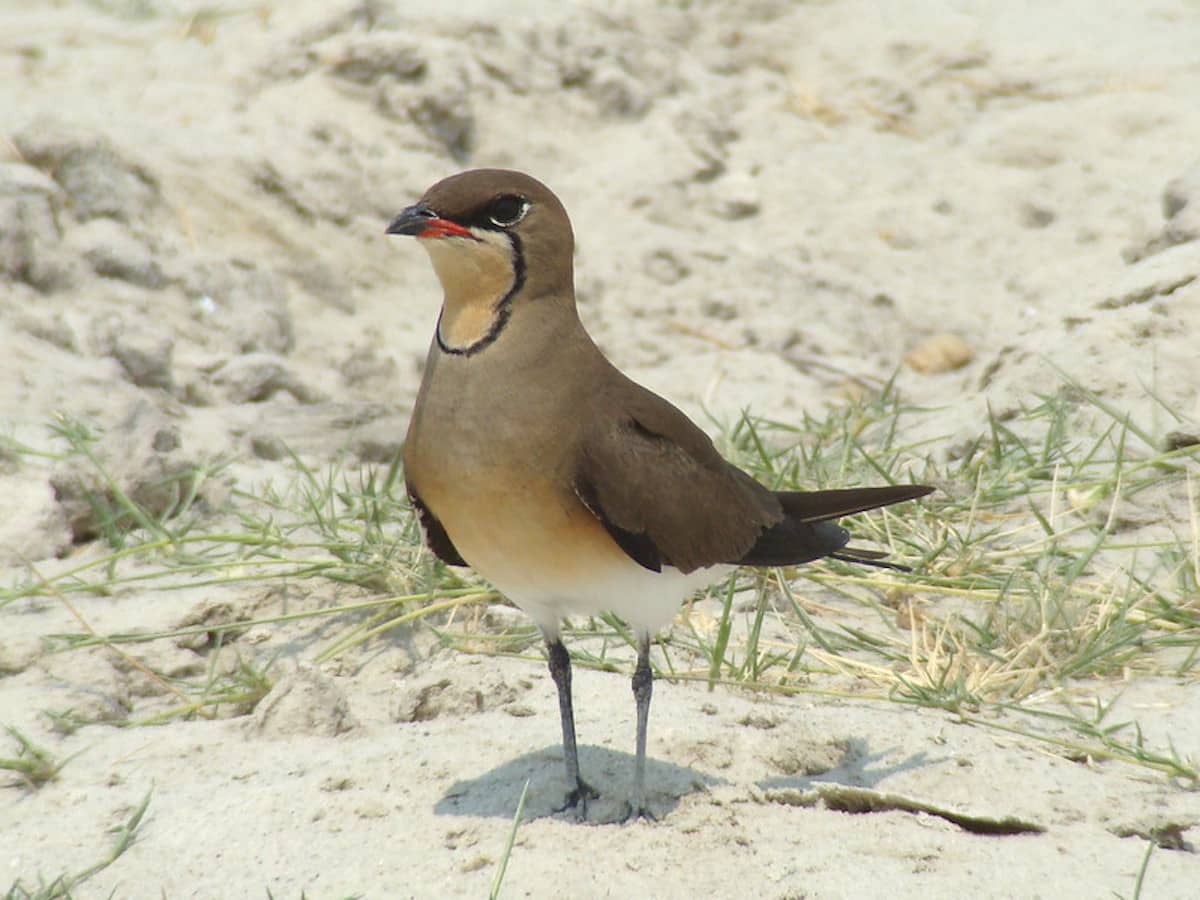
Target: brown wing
(435, 535)
(663, 492)
(667, 497)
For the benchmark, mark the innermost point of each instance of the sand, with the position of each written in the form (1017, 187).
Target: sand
(774, 203)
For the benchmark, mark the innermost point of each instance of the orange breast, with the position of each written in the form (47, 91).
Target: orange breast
(522, 532)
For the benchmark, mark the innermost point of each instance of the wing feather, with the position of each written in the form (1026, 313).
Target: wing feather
(435, 535)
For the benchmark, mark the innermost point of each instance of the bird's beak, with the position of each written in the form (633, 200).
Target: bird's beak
(420, 221)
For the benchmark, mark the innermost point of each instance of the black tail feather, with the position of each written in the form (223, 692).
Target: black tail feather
(820, 506)
(806, 533)
(872, 558)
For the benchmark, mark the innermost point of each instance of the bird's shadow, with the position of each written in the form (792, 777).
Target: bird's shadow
(496, 793)
(857, 767)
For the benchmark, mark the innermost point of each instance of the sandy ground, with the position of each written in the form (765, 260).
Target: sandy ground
(771, 200)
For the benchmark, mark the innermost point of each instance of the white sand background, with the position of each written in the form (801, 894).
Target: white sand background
(770, 199)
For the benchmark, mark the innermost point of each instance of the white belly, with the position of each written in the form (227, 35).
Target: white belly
(646, 600)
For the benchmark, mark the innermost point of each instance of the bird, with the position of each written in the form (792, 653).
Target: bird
(571, 488)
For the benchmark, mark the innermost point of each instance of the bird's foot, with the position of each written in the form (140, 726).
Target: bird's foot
(577, 799)
(633, 813)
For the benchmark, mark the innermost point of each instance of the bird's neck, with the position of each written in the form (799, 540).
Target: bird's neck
(478, 281)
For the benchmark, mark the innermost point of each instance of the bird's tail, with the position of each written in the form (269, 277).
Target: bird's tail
(821, 506)
(806, 532)
(862, 557)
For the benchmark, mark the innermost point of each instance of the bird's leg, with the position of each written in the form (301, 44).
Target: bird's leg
(643, 687)
(578, 790)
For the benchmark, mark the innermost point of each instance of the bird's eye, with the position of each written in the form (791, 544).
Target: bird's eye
(506, 210)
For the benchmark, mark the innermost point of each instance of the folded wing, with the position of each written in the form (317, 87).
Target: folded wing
(668, 498)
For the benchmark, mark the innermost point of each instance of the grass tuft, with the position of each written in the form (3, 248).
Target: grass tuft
(63, 887)
(1045, 573)
(34, 764)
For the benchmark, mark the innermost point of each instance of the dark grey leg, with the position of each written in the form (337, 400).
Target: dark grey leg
(578, 790)
(643, 687)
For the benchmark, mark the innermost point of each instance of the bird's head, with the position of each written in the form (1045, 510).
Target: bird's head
(496, 237)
